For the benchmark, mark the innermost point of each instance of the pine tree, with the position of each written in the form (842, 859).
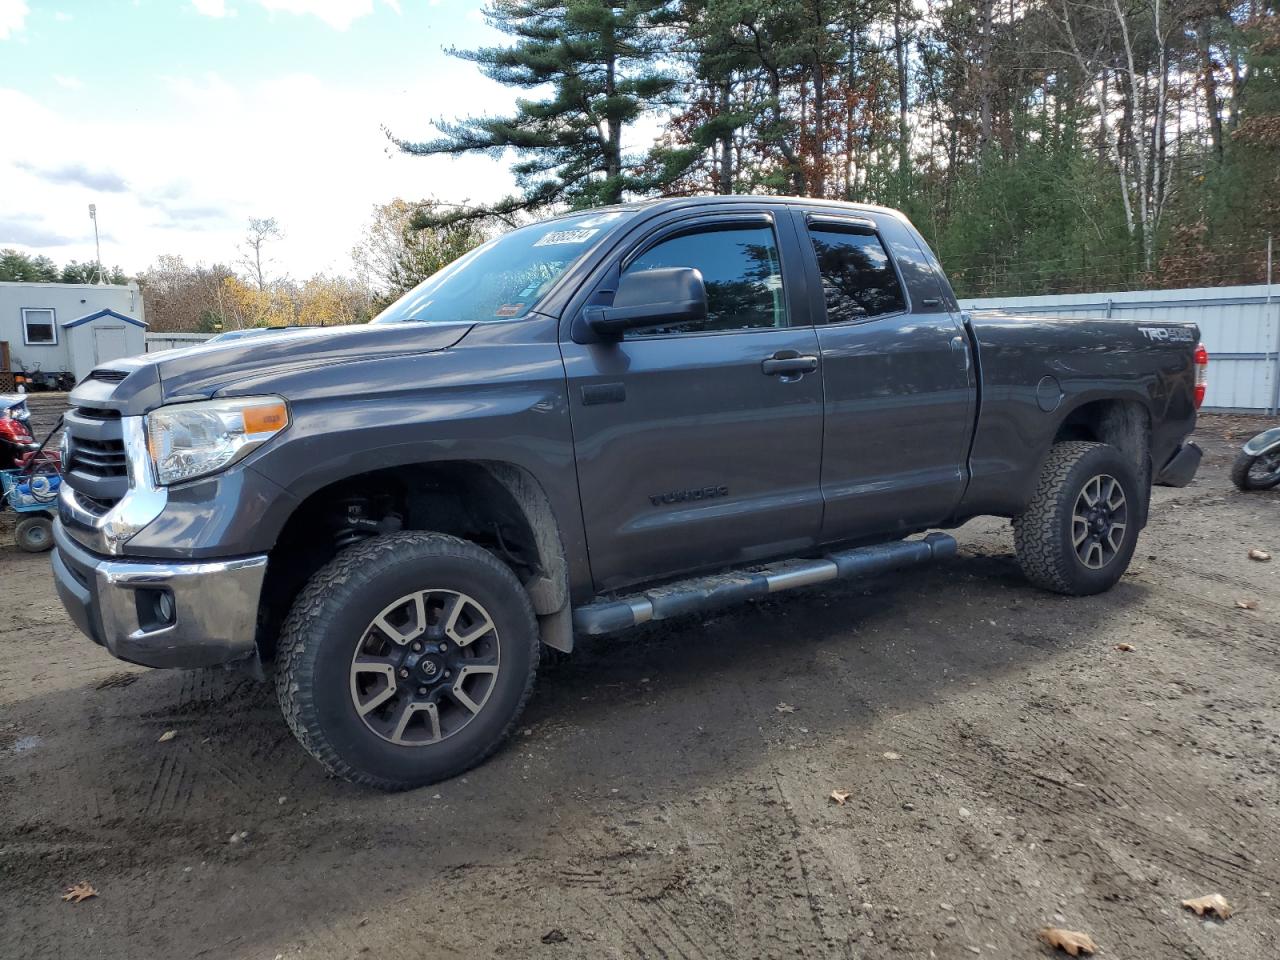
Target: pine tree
(598, 58)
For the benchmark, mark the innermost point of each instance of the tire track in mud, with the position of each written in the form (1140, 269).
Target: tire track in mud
(1001, 773)
(769, 897)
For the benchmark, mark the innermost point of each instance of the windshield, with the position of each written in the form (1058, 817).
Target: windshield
(504, 278)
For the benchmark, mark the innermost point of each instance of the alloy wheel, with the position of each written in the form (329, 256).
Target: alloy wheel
(1099, 521)
(425, 667)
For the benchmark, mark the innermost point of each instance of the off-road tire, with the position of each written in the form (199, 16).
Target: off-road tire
(1240, 474)
(34, 534)
(335, 607)
(1042, 533)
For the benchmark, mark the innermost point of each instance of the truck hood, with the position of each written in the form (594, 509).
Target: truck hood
(136, 384)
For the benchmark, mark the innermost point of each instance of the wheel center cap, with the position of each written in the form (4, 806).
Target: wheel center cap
(429, 667)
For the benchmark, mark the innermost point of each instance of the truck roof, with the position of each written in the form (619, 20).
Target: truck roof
(675, 203)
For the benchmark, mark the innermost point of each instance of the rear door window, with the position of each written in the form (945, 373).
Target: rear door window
(858, 279)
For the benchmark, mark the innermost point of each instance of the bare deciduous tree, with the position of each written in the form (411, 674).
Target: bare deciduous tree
(262, 231)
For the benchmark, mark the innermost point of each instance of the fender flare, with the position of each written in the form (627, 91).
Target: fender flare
(548, 589)
(1264, 442)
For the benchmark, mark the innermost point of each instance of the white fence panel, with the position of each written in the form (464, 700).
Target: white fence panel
(171, 341)
(1240, 327)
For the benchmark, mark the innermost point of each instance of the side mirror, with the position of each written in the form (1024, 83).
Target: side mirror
(651, 298)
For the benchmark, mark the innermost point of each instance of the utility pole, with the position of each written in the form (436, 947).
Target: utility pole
(1275, 370)
(93, 215)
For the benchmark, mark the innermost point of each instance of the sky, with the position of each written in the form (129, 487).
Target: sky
(181, 119)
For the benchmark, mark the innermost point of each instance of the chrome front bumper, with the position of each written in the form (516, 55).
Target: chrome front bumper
(162, 614)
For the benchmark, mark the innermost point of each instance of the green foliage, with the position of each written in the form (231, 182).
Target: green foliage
(76, 272)
(15, 265)
(589, 69)
(1044, 145)
(210, 321)
(405, 243)
(1046, 219)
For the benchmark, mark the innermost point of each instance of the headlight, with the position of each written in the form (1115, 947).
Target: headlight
(189, 440)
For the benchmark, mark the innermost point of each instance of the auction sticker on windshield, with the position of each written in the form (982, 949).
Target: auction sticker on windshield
(565, 236)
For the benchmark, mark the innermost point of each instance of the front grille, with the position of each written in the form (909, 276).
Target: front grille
(105, 458)
(96, 468)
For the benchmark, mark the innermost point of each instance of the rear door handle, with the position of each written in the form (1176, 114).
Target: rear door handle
(788, 363)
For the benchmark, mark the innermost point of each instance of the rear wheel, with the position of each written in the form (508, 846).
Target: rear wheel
(407, 659)
(1080, 529)
(1256, 472)
(34, 534)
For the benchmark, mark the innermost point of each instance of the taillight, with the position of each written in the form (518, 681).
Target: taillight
(14, 431)
(1202, 373)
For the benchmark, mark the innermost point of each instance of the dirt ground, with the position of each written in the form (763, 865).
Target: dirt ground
(668, 793)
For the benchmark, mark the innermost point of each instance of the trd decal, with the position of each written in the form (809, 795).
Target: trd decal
(1167, 334)
(684, 496)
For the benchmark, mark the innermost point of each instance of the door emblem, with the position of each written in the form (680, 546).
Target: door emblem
(685, 496)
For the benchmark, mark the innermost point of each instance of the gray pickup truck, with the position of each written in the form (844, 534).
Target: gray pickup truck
(592, 422)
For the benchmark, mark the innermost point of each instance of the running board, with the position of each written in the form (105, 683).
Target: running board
(705, 593)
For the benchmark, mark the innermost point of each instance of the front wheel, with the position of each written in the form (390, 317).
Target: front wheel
(1260, 472)
(407, 659)
(1078, 533)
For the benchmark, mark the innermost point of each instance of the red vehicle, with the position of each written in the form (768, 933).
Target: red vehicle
(15, 437)
(17, 445)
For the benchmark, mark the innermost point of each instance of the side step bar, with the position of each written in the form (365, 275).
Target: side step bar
(704, 593)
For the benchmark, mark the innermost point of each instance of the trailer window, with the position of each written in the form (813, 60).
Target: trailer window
(38, 327)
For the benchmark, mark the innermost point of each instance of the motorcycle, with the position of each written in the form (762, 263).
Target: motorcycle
(1257, 466)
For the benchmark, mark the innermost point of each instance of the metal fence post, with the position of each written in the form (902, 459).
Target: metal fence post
(1275, 363)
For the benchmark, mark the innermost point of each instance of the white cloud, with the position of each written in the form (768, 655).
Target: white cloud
(67, 82)
(210, 8)
(13, 16)
(212, 152)
(339, 14)
(63, 17)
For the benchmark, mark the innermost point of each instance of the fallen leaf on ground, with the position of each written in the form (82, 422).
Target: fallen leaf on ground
(554, 936)
(1247, 604)
(785, 708)
(167, 736)
(81, 891)
(1256, 554)
(1073, 943)
(840, 796)
(1125, 647)
(1213, 903)
(890, 755)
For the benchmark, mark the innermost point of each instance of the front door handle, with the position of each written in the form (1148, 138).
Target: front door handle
(788, 363)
